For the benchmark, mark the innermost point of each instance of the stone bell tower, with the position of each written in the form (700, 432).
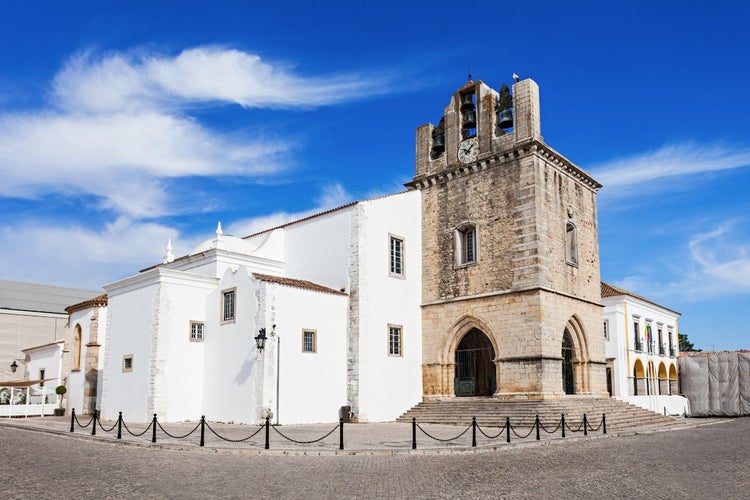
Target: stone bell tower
(510, 256)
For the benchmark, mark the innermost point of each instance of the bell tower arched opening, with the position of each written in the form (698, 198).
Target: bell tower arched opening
(475, 366)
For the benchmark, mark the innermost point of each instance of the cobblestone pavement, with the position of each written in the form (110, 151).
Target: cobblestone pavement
(710, 461)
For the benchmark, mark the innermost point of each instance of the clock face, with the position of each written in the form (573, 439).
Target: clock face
(468, 150)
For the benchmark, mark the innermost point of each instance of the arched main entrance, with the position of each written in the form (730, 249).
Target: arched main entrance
(475, 366)
(568, 381)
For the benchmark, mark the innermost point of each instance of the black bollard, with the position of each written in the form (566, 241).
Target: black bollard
(536, 424)
(562, 424)
(72, 419)
(203, 430)
(153, 431)
(93, 422)
(119, 426)
(413, 433)
(341, 434)
(604, 423)
(507, 429)
(585, 426)
(268, 428)
(474, 432)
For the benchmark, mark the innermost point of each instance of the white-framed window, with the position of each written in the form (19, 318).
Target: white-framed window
(466, 244)
(637, 333)
(228, 305)
(396, 267)
(606, 329)
(571, 244)
(395, 340)
(309, 341)
(127, 363)
(196, 331)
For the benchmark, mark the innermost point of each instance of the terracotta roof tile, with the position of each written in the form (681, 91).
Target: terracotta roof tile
(304, 284)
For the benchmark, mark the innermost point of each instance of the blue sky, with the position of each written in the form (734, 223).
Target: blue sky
(123, 124)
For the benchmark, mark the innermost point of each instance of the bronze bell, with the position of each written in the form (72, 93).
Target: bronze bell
(438, 144)
(505, 118)
(467, 102)
(469, 119)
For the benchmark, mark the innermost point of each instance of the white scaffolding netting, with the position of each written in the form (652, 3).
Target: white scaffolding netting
(717, 384)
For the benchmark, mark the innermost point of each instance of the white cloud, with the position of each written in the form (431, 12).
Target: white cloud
(713, 264)
(117, 128)
(77, 256)
(668, 161)
(333, 196)
(134, 81)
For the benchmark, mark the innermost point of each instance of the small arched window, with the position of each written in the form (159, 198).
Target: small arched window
(77, 334)
(466, 244)
(571, 244)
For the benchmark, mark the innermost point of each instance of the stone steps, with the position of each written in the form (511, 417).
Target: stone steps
(493, 413)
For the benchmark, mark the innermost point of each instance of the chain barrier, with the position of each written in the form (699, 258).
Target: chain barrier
(75, 417)
(479, 428)
(584, 426)
(513, 430)
(260, 428)
(139, 434)
(559, 423)
(303, 442)
(440, 439)
(578, 429)
(178, 437)
(99, 420)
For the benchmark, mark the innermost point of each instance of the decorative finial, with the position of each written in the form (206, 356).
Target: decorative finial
(170, 256)
(219, 232)
(516, 78)
(468, 70)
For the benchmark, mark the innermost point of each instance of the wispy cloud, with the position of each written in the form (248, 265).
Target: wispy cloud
(714, 263)
(332, 196)
(669, 161)
(117, 127)
(81, 256)
(204, 74)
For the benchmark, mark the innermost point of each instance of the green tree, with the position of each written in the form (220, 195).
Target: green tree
(685, 344)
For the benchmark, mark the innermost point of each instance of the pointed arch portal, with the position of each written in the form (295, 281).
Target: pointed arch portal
(475, 366)
(569, 386)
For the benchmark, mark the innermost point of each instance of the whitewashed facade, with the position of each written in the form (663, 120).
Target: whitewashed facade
(641, 347)
(343, 325)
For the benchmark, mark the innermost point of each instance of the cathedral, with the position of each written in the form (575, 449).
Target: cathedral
(480, 279)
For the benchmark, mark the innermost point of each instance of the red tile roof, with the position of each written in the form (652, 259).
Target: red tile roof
(306, 285)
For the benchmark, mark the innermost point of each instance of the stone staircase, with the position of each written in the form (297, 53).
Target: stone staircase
(491, 412)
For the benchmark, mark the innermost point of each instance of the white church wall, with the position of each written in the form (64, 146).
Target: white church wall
(230, 365)
(317, 249)
(312, 385)
(131, 313)
(180, 360)
(77, 378)
(389, 385)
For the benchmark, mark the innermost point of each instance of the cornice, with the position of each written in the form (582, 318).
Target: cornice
(519, 150)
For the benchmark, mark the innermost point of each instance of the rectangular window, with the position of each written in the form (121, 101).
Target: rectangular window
(196, 331)
(395, 340)
(397, 256)
(127, 363)
(466, 244)
(637, 335)
(606, 329)
(309, 341)
(228, 305)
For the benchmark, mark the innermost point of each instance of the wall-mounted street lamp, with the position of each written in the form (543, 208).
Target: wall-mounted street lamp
(260, 340)
(14, 366)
